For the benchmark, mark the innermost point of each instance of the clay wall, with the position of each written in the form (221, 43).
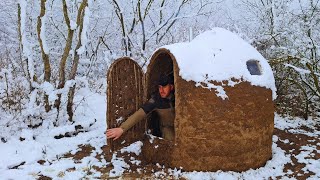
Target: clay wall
(233, 134)
(214, 134)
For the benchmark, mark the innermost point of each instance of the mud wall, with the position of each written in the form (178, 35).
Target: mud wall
(233, 134)
(214, 134)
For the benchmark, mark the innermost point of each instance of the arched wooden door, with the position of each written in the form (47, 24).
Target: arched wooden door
(124, 97)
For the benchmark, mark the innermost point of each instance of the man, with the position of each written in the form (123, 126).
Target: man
(161, 102)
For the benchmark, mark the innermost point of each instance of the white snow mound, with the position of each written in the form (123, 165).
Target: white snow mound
(219, 55)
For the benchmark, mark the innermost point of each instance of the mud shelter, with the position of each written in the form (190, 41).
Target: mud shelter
(224, 112)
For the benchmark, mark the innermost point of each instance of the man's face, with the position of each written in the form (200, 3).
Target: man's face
(164, 91)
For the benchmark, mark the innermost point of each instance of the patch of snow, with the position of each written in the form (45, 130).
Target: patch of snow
(136, 162)
(220, 92)
(49, 89)
(27, 134)
(119, 120)
(119, 166)
(150, 136)
(133, 148)
(27, 49)
(275, 138)
(30, 108)
(160, 174)
(43, 33)
(286, 141)
(311, 164)
(73, 25)
(174, 172)
(293, 125)
(299, 70)
(40, 144)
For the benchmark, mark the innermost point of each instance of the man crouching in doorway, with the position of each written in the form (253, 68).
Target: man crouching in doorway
(162, 102)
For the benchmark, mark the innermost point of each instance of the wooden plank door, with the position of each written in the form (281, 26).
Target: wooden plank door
(124, 97)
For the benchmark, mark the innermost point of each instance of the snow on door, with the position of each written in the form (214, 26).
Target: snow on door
(124, 97)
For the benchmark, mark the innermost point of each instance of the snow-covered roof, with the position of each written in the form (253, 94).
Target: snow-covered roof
(219, 55)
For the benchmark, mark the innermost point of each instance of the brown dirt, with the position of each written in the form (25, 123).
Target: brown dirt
(41, 177)
(146, 171)
(85, 150)
(293, 148)
(41, 162)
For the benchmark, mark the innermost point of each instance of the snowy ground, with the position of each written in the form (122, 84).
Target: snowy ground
(58, 153)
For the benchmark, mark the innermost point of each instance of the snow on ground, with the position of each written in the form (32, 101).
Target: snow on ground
(30, 155)
(44, 145)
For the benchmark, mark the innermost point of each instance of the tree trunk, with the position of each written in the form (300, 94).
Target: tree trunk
(76, 58)
(45, 57)
(63, 61)
(125, 41)
(25, 72)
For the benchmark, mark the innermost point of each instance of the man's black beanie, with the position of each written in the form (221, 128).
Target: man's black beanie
(165, 80)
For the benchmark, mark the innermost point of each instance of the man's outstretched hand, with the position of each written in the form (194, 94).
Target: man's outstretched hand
(114, 133)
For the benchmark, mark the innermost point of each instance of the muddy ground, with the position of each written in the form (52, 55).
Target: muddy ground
(291, 143)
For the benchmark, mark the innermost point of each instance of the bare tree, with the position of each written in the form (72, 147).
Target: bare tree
(45, 56)
(27, 73)
(151, 20)
(65, 55)
(80, 21)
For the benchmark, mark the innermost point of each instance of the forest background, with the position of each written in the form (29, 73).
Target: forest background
(50, 49)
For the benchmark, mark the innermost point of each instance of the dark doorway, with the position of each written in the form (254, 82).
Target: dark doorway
(162, 64)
